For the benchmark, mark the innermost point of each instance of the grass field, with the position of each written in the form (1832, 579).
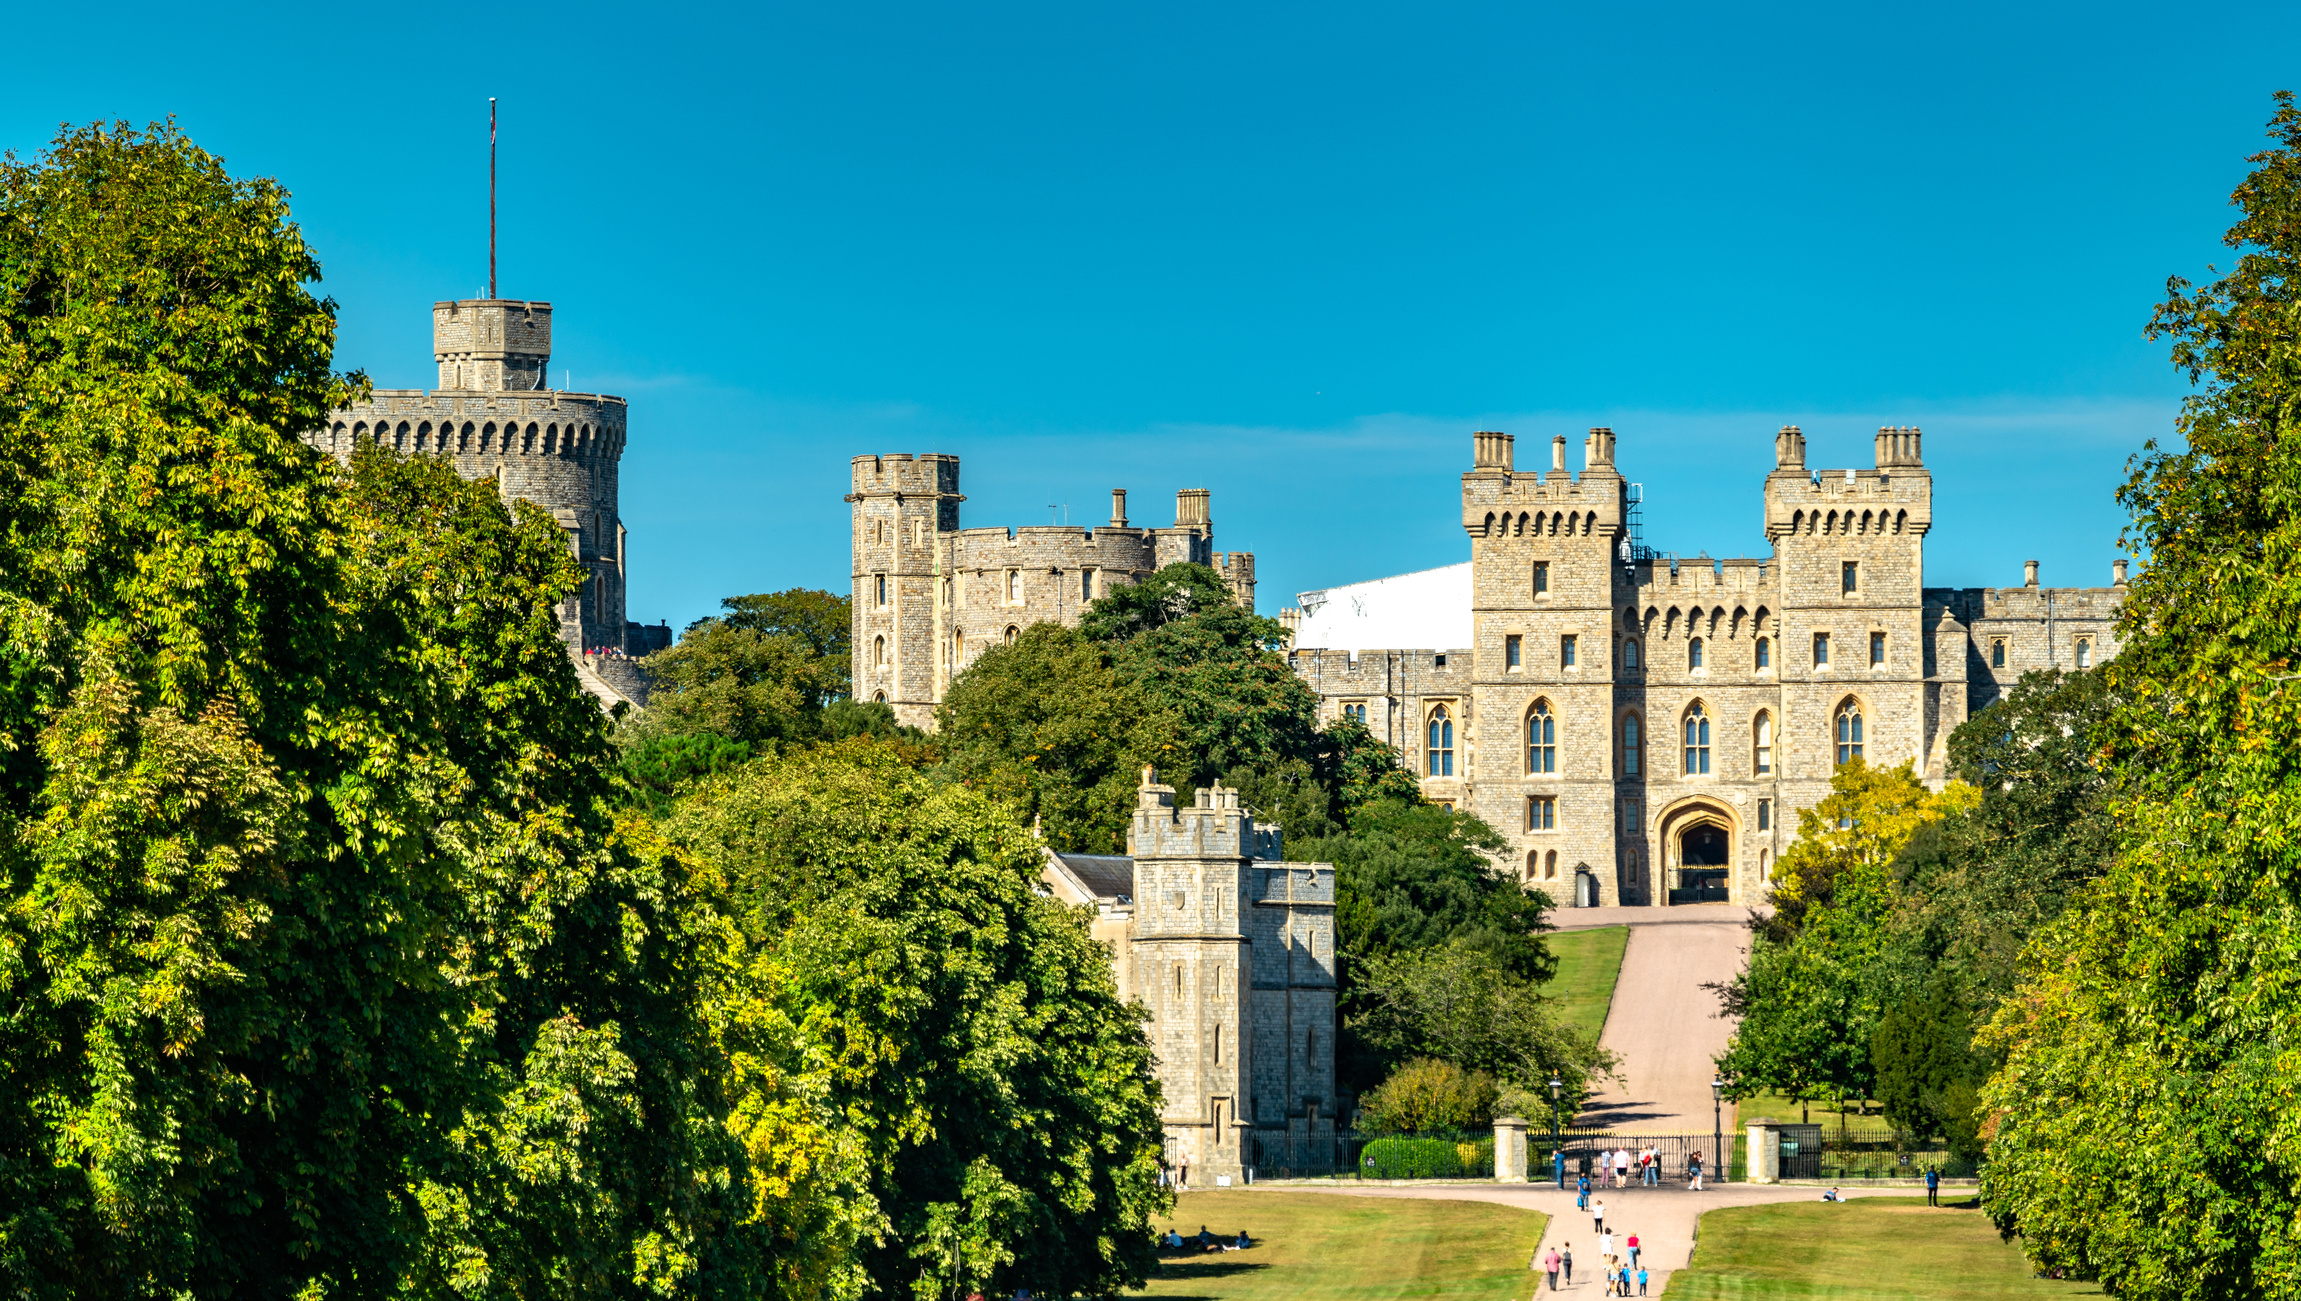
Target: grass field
(1340, 1248)
(1588, 962)
(1868, 1249)
(1829, 1115)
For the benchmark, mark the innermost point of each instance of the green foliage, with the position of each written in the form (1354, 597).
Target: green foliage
(1458, 1003)
(748, 686)
(2143, 1121)
(1809, 1000)
(321, 967)
(1176, 592)
(1364, 770)
(1429, 1093)
(1426, 1158)
(660, 765)
(1051, 727)
(1230, 696)
(965, 1029)
(821, 621)
(1928, 1075)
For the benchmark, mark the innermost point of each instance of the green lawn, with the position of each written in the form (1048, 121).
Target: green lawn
(1342, 1248)
(1588, 962)
(1868, 1249)
(1829, 1115)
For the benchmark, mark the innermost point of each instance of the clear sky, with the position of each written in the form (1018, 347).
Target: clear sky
(1291, 253)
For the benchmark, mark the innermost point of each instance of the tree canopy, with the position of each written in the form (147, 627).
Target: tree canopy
(2143, 1120)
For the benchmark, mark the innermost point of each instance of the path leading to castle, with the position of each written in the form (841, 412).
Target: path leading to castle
(1663, 1218)
(1663, 1024)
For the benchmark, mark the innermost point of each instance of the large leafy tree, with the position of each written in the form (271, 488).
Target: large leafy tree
(2145, 1116)
(320, 967)
(965, 1027)
(1808, 1003)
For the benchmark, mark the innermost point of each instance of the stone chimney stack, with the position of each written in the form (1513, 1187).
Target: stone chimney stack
(1598, 449)
(2117, 571)
(1558, 454)
(2029, 573)
(1190, 508)
(1898, 445)
(1490, 450)
(1790, 449)
(1118, 508)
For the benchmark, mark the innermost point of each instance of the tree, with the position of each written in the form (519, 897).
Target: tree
(739, 683)
(1051, 726)
(967, 1029)
(1427, 1095)
(1808, 1002)
(822, 621)
(1457, 1003)
(2141, 1123)
(321, 968)
(1928, 1075)
(1231, 697)
(1175, 592)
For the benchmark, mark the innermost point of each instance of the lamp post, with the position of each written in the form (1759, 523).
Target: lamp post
(1718, 1127)
(1557, 1149)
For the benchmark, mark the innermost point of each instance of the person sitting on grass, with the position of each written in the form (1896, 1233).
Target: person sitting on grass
(1833, 1195)
(1243, 1241)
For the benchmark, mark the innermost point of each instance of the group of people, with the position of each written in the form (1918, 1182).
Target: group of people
(1618, 1272)
(606, 653)
(1647, 1161)
(1204, 1241)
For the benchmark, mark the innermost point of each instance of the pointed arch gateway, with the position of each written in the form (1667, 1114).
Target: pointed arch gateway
(1699, 838)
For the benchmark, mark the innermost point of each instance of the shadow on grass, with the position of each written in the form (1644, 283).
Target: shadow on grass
(1202, 1270)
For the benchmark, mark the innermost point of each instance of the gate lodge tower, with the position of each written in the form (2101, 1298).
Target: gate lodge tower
(1645, 728)
(492, 415)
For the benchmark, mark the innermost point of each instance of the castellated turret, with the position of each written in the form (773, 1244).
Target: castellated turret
(1233, 953)
(492, 417)
(930, 596)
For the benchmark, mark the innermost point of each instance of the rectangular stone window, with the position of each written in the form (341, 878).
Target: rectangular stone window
(1566, 648)
(2084, 653)
(1877, 650)
(1821, 649)
(1765, 653)
(1541, 578)
(1542, 813)
(1086, 584)
(1849, 576)
(1630, 818)
(1014, 587)
(1510, 650)
(1997, 653)
(1765, 815)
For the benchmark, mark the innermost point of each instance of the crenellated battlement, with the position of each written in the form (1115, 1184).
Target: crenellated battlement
(1215, 826)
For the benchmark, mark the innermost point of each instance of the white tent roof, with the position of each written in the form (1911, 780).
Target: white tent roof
(1428, 610)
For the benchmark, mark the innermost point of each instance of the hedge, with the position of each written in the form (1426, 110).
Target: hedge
(1426, 1158)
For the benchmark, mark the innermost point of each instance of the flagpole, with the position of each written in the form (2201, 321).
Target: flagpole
(491, 196)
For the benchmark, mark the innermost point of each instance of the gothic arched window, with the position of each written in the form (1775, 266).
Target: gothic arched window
(1765, 652)
(1697, 740)
(1630, 654)
(1012, 633)
(1631, 747)
(1541, 739)
(1849, 731)
(1762, 757)
(1441, 743)
(878, 652)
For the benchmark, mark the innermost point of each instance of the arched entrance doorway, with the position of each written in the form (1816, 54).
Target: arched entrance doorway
(1699, 836)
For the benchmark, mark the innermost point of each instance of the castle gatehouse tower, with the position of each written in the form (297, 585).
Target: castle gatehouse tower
(493, 417)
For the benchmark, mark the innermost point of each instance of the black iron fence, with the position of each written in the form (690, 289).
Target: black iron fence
(1807, 1152)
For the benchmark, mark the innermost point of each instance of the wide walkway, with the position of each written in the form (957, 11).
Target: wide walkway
(1663, 1218)
(1663, 1025)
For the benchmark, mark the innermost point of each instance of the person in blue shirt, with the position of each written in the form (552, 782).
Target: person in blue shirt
(1558, 1160)
(1932, 1186)
(1641, 1280)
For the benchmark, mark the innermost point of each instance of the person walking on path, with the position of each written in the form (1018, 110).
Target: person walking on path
(1641, 1280)
(1558, 1159)
(1632, 1243)
(1621, 1167)
(1582, 1192)
(1566, 1263)
(1550, 1266)
(1932, 1186)
(1694, 1172)
(1606, 1243)
(1651, 1161)
(1598, 1217)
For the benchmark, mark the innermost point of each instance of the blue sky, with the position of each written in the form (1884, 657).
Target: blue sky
(1291, 253)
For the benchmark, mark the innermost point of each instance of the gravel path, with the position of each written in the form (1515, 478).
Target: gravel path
(1663, 1218)
(1663, 1024)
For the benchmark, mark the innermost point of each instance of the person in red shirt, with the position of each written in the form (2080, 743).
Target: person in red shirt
(1632, 1243)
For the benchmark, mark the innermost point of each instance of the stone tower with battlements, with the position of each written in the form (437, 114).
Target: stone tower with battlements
(493, 418)
(1645, 727)
(1232, 950)
(930, 596)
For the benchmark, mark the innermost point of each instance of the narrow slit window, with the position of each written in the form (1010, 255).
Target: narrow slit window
(1849, 576)
(1566, 649)
(1763, 761)
(1765, 652)
(1877, 650)
(1997, 654)
(1694, 653)
(1765, 815)
(1821, 649)
(1512, 646)
(1541, 578)
(1630, 746)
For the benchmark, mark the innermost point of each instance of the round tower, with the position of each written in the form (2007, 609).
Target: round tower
(493, 418)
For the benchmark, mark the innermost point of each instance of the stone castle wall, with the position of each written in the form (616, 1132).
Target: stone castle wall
(930, 597)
